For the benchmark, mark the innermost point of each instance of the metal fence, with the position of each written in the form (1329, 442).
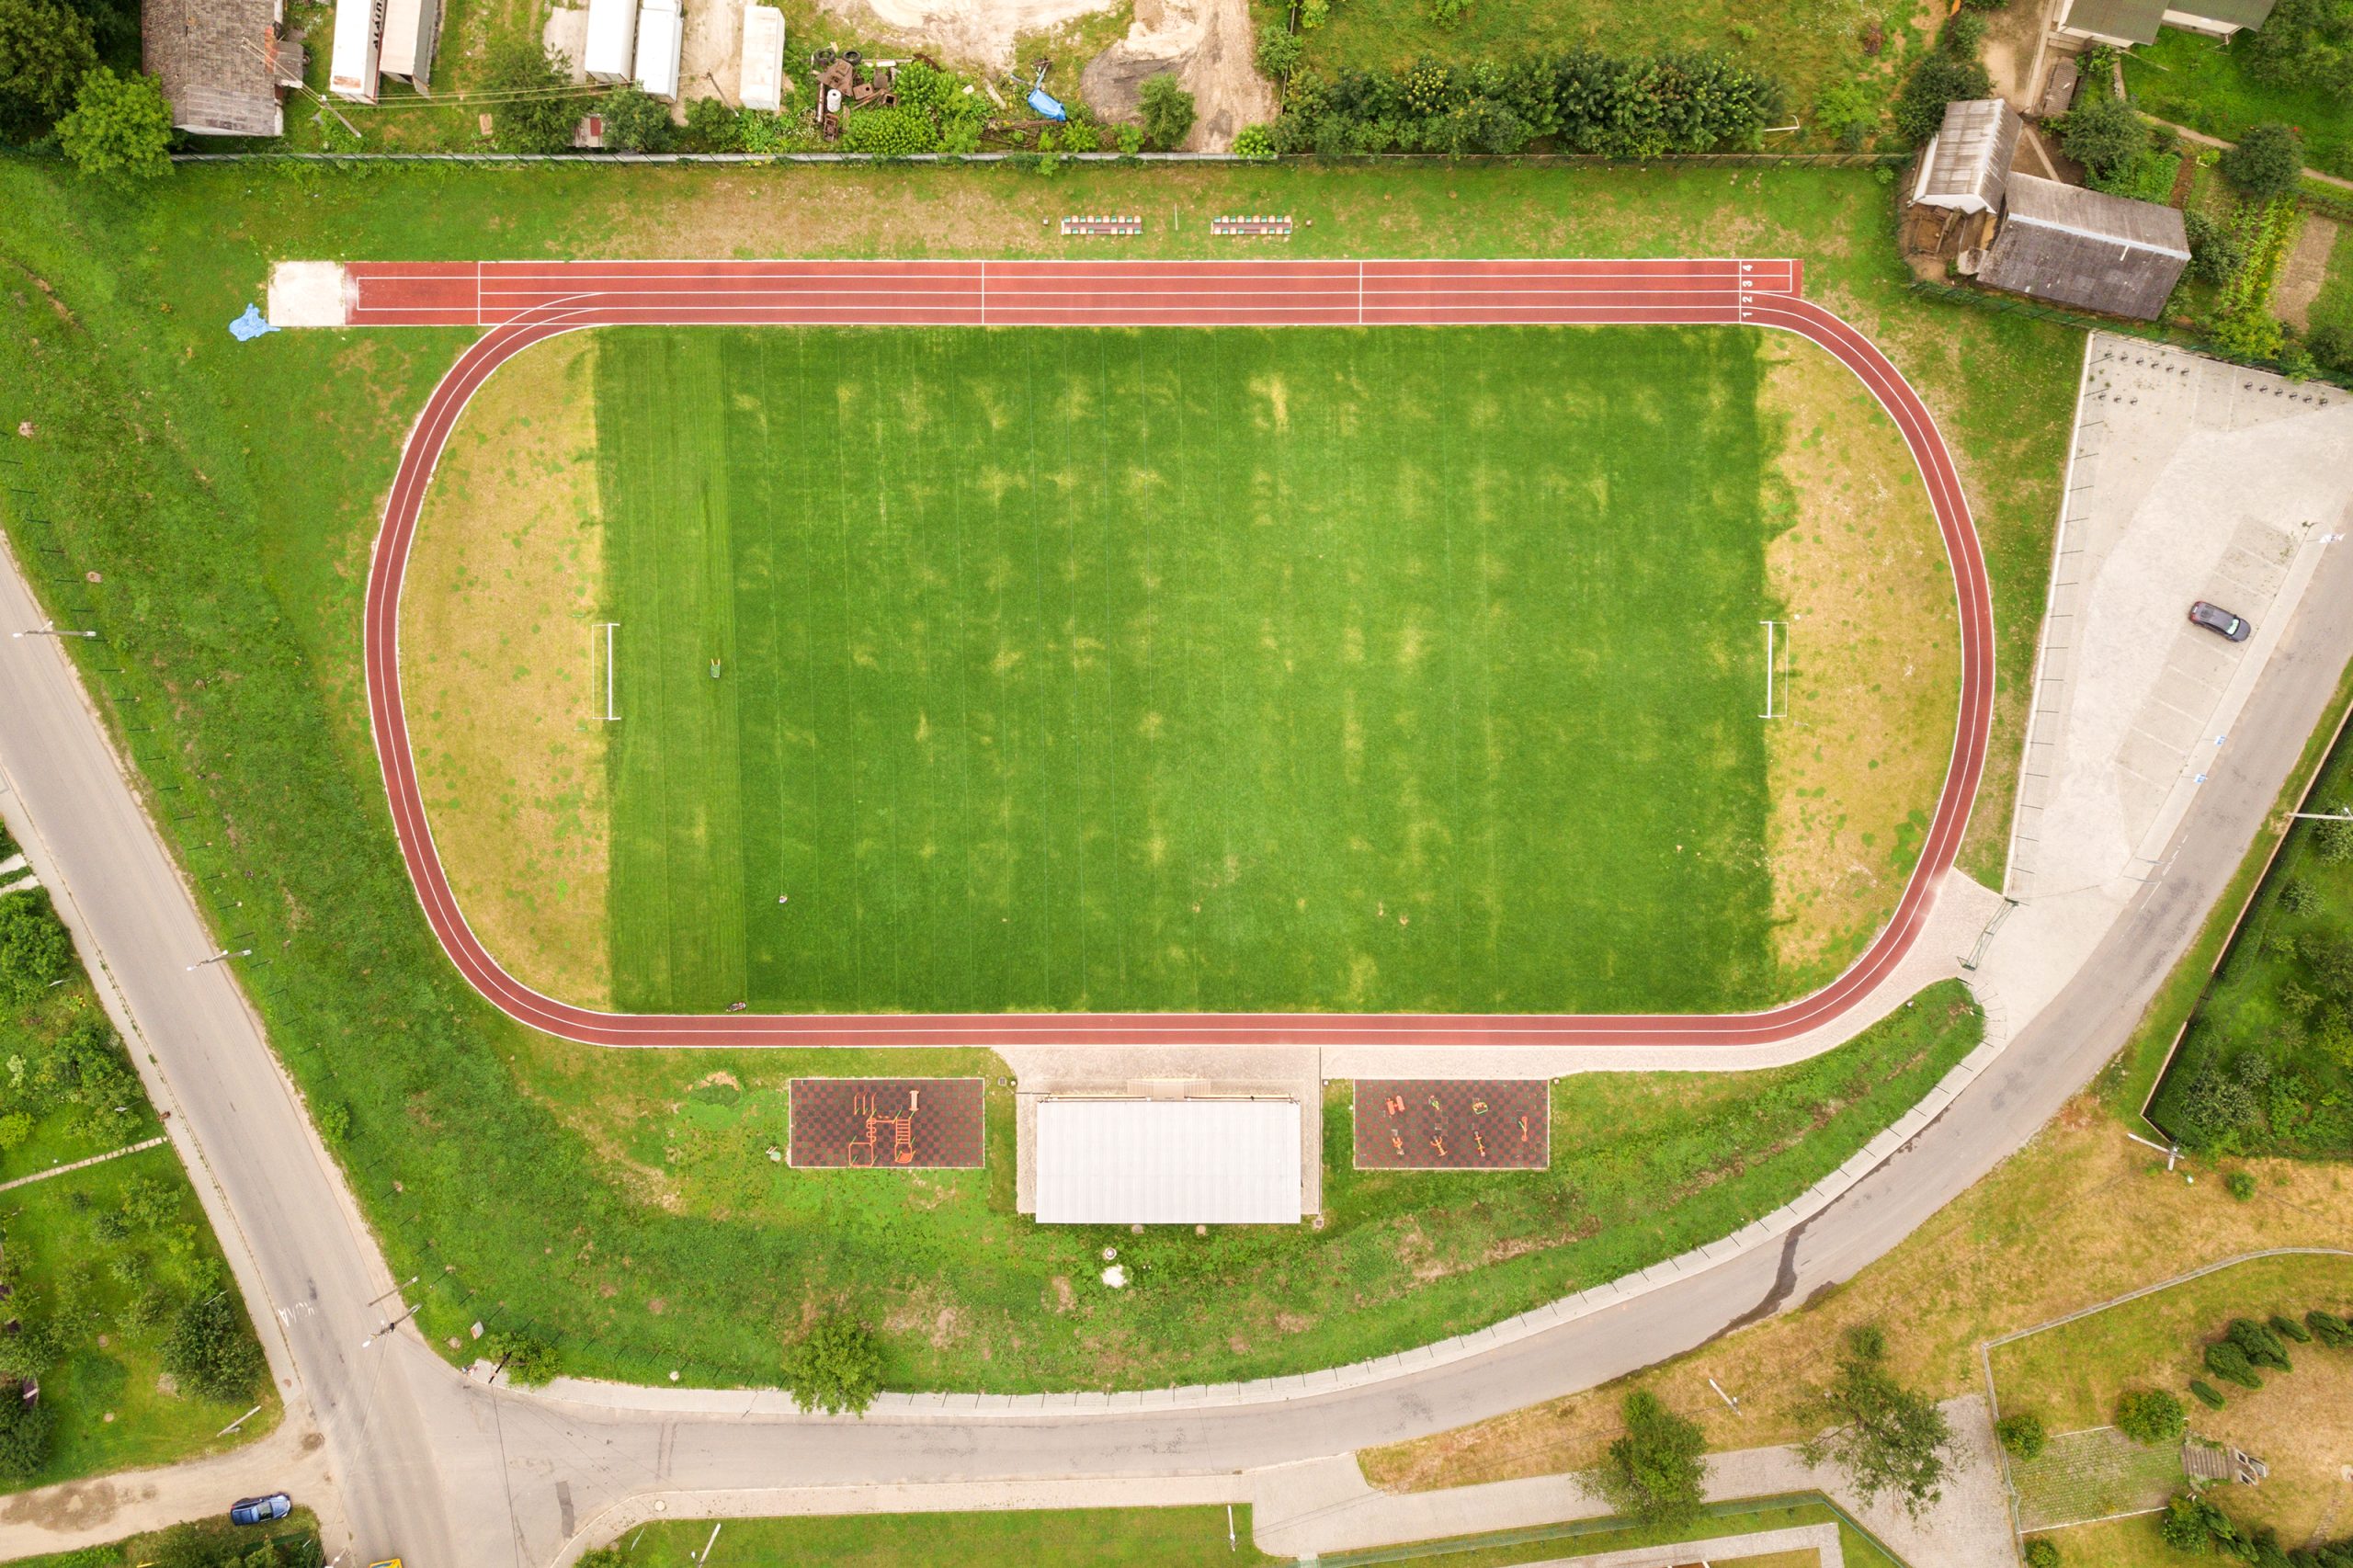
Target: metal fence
(1026, 160)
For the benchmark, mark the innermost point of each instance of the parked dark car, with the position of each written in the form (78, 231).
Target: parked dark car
(261, 1510)
(2214, 618)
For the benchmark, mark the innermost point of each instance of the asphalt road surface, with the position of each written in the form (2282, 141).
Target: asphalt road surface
(444, 1472)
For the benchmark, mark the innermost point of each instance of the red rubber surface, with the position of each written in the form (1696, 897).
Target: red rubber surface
(524, 302)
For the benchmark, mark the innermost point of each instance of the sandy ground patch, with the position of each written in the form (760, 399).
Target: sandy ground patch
(2076, 1217)
(1210, 45)
(2307, 270)
(1872, 661)
(981, 30)
(503, 693)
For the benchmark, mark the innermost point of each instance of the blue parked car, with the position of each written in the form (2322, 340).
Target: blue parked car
(261, 1510)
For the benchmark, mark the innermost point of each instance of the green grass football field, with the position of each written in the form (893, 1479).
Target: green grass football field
(1187, 670)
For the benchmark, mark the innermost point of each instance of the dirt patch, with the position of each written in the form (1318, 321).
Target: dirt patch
(1872, 660)
(1210, 45)
(981, 30)
(2307, 270)
(500, 674)
(2076, 1217)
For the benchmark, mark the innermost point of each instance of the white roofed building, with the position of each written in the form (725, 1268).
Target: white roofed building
(761, 86)
(1116, 1160)
(412, 30)
(611, 55)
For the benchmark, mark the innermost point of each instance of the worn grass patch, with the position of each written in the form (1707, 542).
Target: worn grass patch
(502, 668)
(1229, 670)
(1118, 1537)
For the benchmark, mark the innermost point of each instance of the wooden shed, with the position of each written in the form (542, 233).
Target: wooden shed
(2085, 248)
(1966, 161)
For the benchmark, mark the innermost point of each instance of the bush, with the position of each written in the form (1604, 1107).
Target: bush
(1849, 112)
(335, 1117)
(891, 133)
(120, 130)
(712, 127)
(210, 1350)
(2208, 1394)
(2267, 161)
(2304, 43)
(2183, 1524)
(1167, 110)
(2023, 1436)
(836, 1367)
(1253, 142)
(2150, 1416)
(2334, 841)
(24, 1434)
(2216, 252)
(1961, 36)
(1657, 1472)
(45, 50)
(2261, 1345)
(2228, 1362)
(1278, 53)
(2329, 1329)
(35, 951)
(1938, 80)
(2298, 896)
(2043, 1552)
(2287, 1327)
(15, 1127)
(535, 108)
(636, 122)
(2239, 1185)
(526, 1358)
(2104, 135)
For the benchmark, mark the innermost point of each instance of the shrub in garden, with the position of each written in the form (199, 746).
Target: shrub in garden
(836, 1367)
(1848, 111)
(2208, 1394)
(535, 111)
(2150, 1416)
(528, 1358)
(1962, 35)
(24, 1434)
(2262, 1347)
(1166, 109)
(2267, 161)
(15, 1127)
(1253, 142)
(120, 130)
(2332, 841)
(2216, 252)
(892, 133)
(35, 951)
(2329, 1329)
(2298, 896)
(1658, 1471)
(210, 1350)
(2228, 1362)
(1278, 53)
(2306, 43)
(713, 127)
(2239, 1185)
(2287, 1327)
(2104, 135)
(1938, 80)
(636, 122)
(2043, 1552)
(2023, 1436)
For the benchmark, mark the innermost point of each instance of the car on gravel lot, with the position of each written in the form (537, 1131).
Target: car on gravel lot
(261, 1510)
(2214, 618)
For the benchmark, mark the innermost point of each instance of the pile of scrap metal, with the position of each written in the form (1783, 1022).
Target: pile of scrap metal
(846, 81)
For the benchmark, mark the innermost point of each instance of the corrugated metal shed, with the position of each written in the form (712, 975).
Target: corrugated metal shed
(2218, 14)
(412, 28)
(1969, 157)
(1121, 1162)
(761, 86)
(220, 64)
(611, 48)
(2115, 21)
(2086, 248)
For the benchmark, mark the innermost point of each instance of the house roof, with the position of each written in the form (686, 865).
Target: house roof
(219, 61)
(2086, 248)
(2134, 19)
(2237, 12)
(1168, 1161)
(1970, 155)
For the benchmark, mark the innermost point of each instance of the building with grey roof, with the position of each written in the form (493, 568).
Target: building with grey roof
(223, 65)
(2085, 248)
(2128, 22)
(1965, 162)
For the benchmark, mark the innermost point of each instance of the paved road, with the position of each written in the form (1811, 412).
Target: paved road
(447, 1472)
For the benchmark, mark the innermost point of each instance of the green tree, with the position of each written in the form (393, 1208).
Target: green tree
(24, 1434)
(1655, 1472)
(636, 122)
(2104, 135)
(712, 127)
(528, 1358)
(2267, 161)
(2150, 1416)
(35, 951)
(1167, 108)
(211, 1351)
(1885, 1438)
(120, 130)
(1278, 53)
(2216, 252)
(836, 1367)
(45, 50)
(2304, 43)
(537, 104)
(2042, 1552)
(15, 1127)
(2023, 1436)
(1938, 80)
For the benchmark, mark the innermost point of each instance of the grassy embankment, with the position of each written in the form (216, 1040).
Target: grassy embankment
(229, 494)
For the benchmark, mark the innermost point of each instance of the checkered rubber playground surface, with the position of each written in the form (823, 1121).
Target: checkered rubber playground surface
(1448, 1124)
(887, 1123)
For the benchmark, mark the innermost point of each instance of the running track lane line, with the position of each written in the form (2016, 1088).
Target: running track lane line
(532, 302)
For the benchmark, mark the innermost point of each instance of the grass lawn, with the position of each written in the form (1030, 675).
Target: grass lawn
(2202, 83)
(1223, 670)
(229, 494)
(2296, 1422)
(2266, 1067)
(296, 1536)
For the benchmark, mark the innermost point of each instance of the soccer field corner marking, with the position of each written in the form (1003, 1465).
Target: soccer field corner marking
(536, 301)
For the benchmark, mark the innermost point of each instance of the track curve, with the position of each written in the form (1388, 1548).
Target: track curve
(522, 303)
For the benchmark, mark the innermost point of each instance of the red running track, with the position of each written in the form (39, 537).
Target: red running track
(524, 302)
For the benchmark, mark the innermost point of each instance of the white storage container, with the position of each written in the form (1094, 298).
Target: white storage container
(661, 32)
(612, 40)
(762, 84)
(359, 25)
(411, 29)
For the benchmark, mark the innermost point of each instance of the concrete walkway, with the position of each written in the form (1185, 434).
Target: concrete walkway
(1821, 1539)
(1326, 1506)
(81, 1165)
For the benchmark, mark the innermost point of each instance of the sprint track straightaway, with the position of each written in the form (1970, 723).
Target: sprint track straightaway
(522, 303)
